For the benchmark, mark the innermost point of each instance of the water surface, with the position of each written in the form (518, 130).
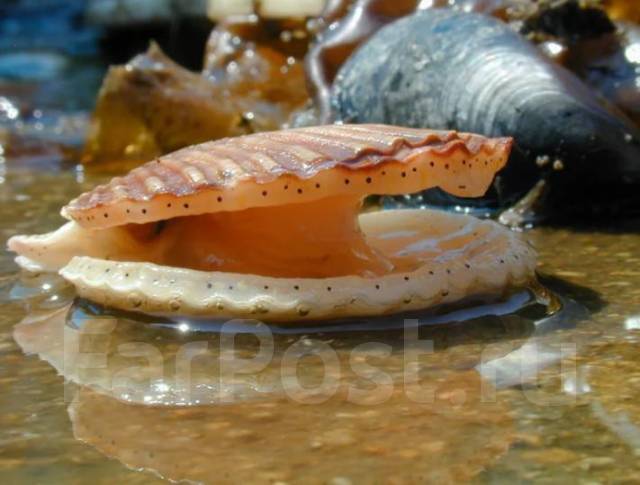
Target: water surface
(507, 394)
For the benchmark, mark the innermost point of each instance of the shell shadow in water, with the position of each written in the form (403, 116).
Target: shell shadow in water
(470, 72)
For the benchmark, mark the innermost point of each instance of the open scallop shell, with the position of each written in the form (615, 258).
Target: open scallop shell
(453, 256)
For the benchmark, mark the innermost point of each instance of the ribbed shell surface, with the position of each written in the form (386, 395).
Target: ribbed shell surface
(264, 157)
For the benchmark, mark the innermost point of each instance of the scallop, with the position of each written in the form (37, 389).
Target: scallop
(269, 226)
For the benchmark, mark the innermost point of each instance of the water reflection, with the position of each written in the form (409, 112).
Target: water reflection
(524, 363)
(409, 402)
(444, 441)
(611, 370)
(148, 360)
(444, 430)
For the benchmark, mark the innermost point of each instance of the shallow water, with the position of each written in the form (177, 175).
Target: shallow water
(499, 396)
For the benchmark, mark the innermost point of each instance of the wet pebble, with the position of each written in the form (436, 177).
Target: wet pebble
(340, 481)
(551, 456)
(338, 437)
(263, 416)
(596, 462)
(240, 434)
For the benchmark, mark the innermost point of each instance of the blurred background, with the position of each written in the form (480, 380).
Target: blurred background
(54, 55)
(114, 83)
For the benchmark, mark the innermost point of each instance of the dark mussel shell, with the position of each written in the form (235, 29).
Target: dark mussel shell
(469, 72)
(350, 24)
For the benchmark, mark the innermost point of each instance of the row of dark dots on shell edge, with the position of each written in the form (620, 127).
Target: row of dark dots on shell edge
(329, 288)
(265, 193)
